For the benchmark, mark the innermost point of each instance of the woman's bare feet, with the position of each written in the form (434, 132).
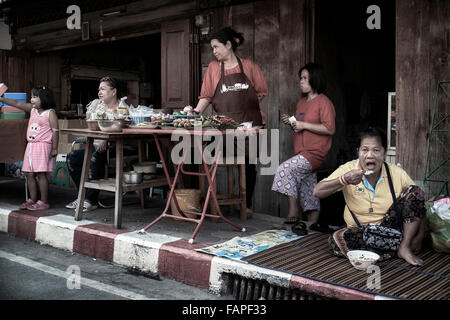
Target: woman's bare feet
(406, 254)
(416, 245)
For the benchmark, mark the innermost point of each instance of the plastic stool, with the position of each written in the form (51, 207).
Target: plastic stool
(156, 191)
(61, 164)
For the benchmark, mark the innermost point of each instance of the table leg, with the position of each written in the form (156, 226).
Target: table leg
(119, 188)
(141, 157)
(84, 177)
(242, 192)
(210, 174)
(212, 192)
(161, 156)
(169, 197)
(230, 187)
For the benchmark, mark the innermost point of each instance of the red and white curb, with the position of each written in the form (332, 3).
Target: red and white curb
(166, 256)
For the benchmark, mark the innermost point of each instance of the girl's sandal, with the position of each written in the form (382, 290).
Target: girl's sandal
(26, 204)
(39, 205)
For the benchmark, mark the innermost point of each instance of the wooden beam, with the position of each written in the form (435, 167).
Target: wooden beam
(55, 35)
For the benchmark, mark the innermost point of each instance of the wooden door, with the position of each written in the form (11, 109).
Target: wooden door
(175, 64)
(15, 70)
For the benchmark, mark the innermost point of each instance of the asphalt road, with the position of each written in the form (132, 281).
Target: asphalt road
(30, 271)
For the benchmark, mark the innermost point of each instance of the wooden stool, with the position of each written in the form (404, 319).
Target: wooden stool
(230, 198)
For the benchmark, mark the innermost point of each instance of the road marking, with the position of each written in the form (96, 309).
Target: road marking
(84, 281)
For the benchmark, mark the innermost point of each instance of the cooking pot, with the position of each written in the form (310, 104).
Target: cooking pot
(132, 177)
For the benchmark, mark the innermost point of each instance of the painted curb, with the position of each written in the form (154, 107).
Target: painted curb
(58, 231)
(158, 254)
(140, 251)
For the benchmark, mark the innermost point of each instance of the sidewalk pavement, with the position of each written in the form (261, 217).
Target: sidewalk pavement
(162, 250)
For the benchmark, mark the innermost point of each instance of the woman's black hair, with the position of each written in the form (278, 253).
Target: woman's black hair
(228, 34)
(317, 79)
(373, 132)
(45, 94)
(115, 83)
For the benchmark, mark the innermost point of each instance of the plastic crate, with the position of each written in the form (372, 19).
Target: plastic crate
(20, 96)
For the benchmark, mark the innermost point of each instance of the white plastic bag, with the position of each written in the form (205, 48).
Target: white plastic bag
(95, 110)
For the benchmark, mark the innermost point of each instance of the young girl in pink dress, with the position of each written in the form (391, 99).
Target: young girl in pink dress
(42, 147)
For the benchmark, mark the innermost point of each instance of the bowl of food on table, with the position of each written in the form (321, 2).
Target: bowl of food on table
(115, 125)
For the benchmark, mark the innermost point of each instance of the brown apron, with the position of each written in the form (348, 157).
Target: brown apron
(236, 98)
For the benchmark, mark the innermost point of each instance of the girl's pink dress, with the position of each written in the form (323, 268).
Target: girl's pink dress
(38, 154)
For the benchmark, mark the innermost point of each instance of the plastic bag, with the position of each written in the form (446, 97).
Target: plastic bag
(122, 110)
(141, 111)
(438, 218)
(95, 110)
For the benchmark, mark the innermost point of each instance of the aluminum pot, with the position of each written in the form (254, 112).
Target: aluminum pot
(132, 177)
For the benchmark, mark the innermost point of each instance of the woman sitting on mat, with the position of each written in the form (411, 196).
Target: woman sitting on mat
(365, 185)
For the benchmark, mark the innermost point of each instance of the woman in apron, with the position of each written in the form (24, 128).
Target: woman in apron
(235, 87)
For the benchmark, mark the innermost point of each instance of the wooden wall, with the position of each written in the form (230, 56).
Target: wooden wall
(16, 71)
(422, 59)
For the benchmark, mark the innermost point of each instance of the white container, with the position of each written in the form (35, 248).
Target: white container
(292, 119)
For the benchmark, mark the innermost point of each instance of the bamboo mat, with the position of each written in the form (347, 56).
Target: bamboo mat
(311, 257)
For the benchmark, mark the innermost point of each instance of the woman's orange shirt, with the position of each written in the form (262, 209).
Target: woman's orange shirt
(314, 147)
(251, 70)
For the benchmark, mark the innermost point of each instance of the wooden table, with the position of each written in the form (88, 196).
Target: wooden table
(116, 184)
(209, 171)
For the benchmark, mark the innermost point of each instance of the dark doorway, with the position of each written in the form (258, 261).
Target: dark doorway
(359, 62)
(141, 55)
(83, 91)
(360, 67)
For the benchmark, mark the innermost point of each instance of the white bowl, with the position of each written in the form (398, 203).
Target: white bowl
(362, 259)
